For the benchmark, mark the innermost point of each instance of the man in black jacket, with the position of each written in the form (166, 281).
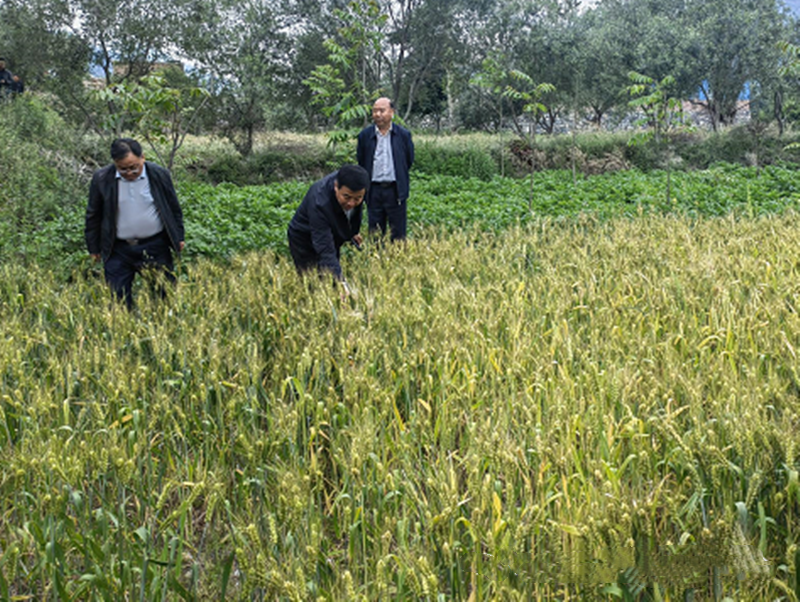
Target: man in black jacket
(133, 219)
(7, 80)
(386, 151)
(328, 217)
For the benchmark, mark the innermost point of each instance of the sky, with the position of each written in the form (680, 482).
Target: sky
(794, 5)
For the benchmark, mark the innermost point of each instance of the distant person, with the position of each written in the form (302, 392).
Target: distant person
(386, 151)
(18, 87)
(7, 83)
(133, 220)
(328, 217)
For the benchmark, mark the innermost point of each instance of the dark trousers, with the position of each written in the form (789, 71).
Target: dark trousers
(383, 208)
(127, 260)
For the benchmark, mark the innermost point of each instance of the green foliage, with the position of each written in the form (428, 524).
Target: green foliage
(527, 91)
(790, 68)
(42, 183)
(662, 112)
(455, 203)
(342, 88)
(266, 166)
(225, 220)
(470, 162)
(512, 92)
(162, 114)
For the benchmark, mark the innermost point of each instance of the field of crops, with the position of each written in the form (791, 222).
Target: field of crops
(226, 220)
(581, 409)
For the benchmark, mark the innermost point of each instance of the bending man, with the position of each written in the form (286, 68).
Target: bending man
(328, 217)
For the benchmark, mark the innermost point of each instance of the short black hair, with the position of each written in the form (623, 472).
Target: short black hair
(121, 147)
(354, 177)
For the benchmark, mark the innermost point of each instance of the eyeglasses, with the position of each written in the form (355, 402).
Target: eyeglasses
(129, 169)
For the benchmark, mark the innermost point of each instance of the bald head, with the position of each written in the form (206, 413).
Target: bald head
(382, 113)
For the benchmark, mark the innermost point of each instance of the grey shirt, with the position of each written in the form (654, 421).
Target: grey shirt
(383, 166)
(137, 216)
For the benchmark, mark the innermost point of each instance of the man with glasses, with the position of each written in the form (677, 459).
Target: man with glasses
(133, 220)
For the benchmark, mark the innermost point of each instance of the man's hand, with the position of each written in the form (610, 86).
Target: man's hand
(181, 245)
(95, 256)
(357, 240)
(347, 292)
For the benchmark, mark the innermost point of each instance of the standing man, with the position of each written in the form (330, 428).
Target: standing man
(328, 217)
(133, 219)
(386, 151)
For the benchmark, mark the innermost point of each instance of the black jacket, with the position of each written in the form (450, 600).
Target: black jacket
(101, 212)
(402, 154)
(7, 84)
(320, 226)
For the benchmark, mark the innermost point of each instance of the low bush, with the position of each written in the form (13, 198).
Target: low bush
(275, 162)
(44, 177)
(602, 152)
(451, 160)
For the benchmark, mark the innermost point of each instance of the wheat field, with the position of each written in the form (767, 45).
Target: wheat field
(574, 410)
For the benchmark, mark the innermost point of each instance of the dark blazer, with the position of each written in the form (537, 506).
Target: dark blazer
(101, 212)
(402, 154)
(320, 227)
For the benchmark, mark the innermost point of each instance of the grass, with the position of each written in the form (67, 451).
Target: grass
(576, 410)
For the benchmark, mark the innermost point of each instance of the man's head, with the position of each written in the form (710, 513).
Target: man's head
(2, 63)
(128, 158)
(351, 186)
(382, 113)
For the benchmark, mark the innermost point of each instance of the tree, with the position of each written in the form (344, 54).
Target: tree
(41, 49)
(733, 43)
(604, 62)
(244, 54)
(128, 37)
(789, 72)
(525, 90)
(346, 85)
(160, 113)
(420, 44)
(662, 115)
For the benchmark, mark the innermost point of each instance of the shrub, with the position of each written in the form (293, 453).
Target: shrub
(277, 160)
(44, 177)
(465, 162)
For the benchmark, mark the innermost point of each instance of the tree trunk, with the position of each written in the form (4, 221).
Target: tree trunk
(778, 111)
(451, 105)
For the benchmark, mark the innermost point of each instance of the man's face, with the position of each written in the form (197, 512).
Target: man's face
(382, 113)
(348, 199)
(2, 65)
(130, 166)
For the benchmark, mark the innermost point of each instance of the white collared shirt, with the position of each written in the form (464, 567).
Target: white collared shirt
(383, 163)
(137, 216)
